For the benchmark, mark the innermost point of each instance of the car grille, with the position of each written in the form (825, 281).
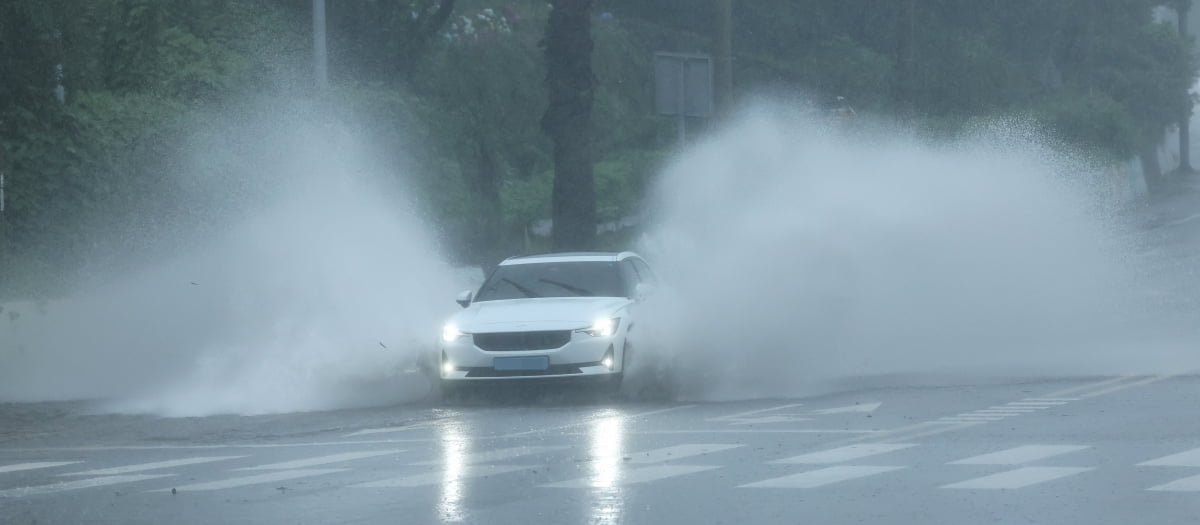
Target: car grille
(513, 341)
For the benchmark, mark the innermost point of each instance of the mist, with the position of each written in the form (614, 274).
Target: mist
(299, 275)
(801, 255)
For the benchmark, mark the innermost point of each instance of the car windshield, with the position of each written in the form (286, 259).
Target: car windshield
(553, 279)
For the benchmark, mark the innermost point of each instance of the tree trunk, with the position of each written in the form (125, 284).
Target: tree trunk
(1185, 135)
(1151, 170)
(568, 122)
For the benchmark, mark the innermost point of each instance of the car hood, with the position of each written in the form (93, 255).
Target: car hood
(520, 315)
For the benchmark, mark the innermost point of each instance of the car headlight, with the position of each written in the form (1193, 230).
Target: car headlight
(451, 333)
(602, 327)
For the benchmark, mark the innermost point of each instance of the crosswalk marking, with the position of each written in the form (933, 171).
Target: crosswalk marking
(1188, 484)
(1039, 404)
(1018, 455)
(634, 476)
(492, 456)
(677, 452)
(1019, 478)
(77, 484)
(439, 477)
(31, 466)
(821, 477)
(322, 460)
(269, 477)
(150, 466)
(846, 453)
(1007, 408)
(1190, 458)
(1058, 400)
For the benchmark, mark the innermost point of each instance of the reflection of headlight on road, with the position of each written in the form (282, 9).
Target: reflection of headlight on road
(451, 333)
(602, 327)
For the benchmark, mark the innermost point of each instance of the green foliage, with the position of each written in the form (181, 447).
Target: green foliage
(456, 89)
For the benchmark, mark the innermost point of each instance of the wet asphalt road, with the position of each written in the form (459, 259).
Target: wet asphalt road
(1114, 450)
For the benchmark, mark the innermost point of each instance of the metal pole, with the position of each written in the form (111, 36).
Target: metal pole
(320, 56)
(683, 65)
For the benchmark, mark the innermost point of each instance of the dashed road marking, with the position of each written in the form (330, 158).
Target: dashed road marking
(1019, 478)
(492, 456)
(440, 476)
(1019, 455)
(150, 466)
(677, 452)
(822, 477)
(31, 466)
(1190, 458)
(270, 477)
(846, 453)
(322, 460)
(1188, 484)
(77, 484)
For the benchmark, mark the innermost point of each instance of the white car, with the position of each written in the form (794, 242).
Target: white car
(564, 315)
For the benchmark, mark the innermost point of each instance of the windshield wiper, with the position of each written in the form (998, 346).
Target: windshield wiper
(522, 289)
(573, 289)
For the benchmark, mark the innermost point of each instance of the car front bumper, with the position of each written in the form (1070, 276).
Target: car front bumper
(582, 356)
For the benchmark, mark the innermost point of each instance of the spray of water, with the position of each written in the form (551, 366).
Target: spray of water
(304, 280)
(800, 254)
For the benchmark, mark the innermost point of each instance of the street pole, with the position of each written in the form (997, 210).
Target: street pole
(724, 65)
(320, 55)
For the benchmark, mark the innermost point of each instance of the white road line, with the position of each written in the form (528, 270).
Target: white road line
(1111, 389)
(846, 453)
(440, 476)
(322, 460)
(757, 431)
(633, 476)
(150, 466)
(676, 452)
(1190, 458)
(31, 466)
(388, 430)
(77, 484)
(989, 417)
(1097, 384)
(1188, 484)
(744, 415)
(1019, 455)
(1041, 404)
(270, 477)
(1019, 478)
(821, 477)
(1004, 411)
(1011, 408)
(493, 456)
(1059, 400)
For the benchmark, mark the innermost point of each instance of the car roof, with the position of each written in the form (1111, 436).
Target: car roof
(569, 257)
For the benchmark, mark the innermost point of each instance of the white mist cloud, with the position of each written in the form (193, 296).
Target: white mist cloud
(318, 290)
(800, 255)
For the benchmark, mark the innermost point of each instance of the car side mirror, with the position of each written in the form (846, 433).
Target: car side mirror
(642, 291)
(464, 299)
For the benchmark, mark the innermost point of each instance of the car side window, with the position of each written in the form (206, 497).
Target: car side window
(629, 277)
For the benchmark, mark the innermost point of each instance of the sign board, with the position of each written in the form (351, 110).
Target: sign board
(683, 84)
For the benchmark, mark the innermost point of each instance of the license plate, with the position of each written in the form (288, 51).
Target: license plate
(521, 363)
